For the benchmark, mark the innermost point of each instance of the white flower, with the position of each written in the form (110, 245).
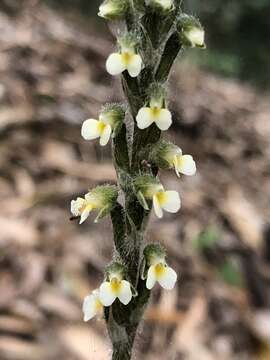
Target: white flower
(160, 272)
(127, 59)
(100, 198)
(154, 114)
(92, 305)
(82, 207)
(94, 129)
(115, 288)
(113, 9)
(195, 36)
(166, 200)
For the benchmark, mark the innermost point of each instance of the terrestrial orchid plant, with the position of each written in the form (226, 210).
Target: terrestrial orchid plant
(155, 33)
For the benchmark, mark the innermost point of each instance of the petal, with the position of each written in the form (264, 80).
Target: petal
(85, 214)
(89, 307)
(164, 119)
(134, 65)
(186, 165)
(125, 294)
(157, 207)
(105, 136)
(151, 278)
(168, 280)
(76, 206)
(144, 118)
(106, 295)
(172, 202)
(115, 64)
(90, 129)
(175, 164)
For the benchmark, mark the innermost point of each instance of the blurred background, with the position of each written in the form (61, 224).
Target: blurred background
(52, 79)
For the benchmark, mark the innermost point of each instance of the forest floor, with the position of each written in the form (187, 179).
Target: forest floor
(52, 77)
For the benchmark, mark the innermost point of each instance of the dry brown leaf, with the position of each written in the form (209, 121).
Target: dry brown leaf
(15, 349)
(54, 302)
(84, 342)
(18, 231)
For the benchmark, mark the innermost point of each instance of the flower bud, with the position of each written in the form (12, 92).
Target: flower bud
(102, 198)
(113, 9)
(164, 5)
(191, 31)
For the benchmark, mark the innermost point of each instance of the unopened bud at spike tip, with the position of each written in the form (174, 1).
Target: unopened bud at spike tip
(191, 31)
(113, 9)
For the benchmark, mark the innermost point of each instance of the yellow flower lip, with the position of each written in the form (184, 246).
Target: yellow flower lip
(160, 269)
(101, 126)
(155, 111)
(115, 285)
(86, 207)
(161, 196)
(126, 57)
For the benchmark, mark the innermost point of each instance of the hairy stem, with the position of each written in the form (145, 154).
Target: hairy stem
(130, 219)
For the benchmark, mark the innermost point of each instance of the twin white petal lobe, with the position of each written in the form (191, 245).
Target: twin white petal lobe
(92, 305)
(166, 200)
(162, 274)
(184, 164)
(113, 289)
(93, 129)
(115, 65)
(126, 60)
(149, 115)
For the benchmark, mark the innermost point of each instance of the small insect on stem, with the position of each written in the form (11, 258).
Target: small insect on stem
(72, 218)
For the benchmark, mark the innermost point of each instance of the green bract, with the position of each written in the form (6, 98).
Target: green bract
(162, 153)
(153, 251)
